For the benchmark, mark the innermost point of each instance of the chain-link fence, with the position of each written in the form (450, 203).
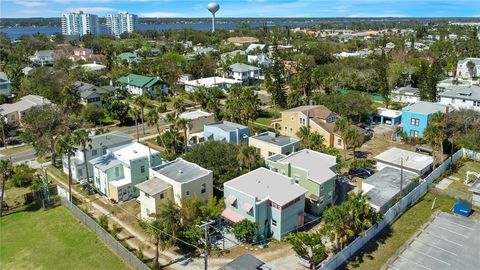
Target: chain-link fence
(106, 238)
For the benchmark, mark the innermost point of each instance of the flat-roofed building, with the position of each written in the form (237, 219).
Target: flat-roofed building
(269, 144)
(413, 162)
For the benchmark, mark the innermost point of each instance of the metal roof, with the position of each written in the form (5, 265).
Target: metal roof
(471, 92)
(139, 80)
(424, 107)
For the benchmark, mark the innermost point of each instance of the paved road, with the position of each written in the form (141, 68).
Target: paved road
(20, 156)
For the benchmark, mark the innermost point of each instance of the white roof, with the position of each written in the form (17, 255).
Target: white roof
(132, 151)
(194, 114)
(211, 81)
(23, 104)
(93, 67)
(121, 182)
(411, 160)
(389, 113)
(265, 184)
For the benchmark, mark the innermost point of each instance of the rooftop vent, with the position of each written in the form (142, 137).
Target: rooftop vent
(180, 172)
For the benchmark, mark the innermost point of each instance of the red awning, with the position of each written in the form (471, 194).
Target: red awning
(231, 199)
(232, 215)
(247, 207)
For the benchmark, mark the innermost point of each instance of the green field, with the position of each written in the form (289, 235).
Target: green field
(380, 249)
(51, 239)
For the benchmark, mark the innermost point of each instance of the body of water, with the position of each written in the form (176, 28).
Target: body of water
(15, 32)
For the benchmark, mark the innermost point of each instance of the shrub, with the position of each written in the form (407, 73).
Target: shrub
(103, 222)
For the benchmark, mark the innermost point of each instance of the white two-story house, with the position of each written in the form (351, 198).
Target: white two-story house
(244, 73)
(468, 68)
(461, 97)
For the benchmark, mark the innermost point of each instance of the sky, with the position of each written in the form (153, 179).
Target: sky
(246, 8)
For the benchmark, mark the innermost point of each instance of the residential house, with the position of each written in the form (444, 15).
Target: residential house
(85, 54)
(246, 262)
(98, 146)
(257, 54)
(245, 73)
(93, 67)
(461, 97)
(43, 57)
(413, 162)
(139, 85)
(226, 131)
(317, 117)
(447, 83)
(415, 117)
(117, 172)
(271, 200)
(465, 71)
(312, 170)
(196, 121)
(174, 180)
(128, 57)
(91, 94)
(26, 70)
(232, 54)
(406, 94)
(269, 144)
(383, 187)
(12, 112)
(5, 85)
(220, 82)
(387, 116)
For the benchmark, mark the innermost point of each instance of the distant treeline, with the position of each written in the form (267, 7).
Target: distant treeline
(56, 22)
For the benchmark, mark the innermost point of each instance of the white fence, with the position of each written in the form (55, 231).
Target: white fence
(395, 211)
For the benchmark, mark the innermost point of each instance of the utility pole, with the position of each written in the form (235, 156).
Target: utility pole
(205, 225)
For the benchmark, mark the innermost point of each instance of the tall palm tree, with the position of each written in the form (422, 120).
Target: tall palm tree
(184, 125)
(179, 106)
(247, 157)
(352, 139)
(6, 172)
(141, 102)
(304, 135)
(66, 146)
(81, 138)
(153, 116)
(341, 125)
(438, 120)
(134, 114)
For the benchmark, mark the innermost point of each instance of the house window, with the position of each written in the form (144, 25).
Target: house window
(274, 223)
(187, 193)
(162, 196)
(476, 103)
(291, 130)
(414, 133)
(286, 128)
(415, 121)
(204, 188)
(142, 169)
(297, 179)
(94, 152)
(339, 142)
(117, 171)
(104, 150)
(463, 100)
(147, 211)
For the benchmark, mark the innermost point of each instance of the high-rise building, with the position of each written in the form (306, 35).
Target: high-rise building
(79, 23)
(121, 23)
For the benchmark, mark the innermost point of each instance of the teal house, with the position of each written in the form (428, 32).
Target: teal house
(271, 200)
(311, 170)
(117, 172)
(415, 117)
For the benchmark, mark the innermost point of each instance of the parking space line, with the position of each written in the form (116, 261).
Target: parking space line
(457, 224)
(415, 263)
(435, 258)
(459, 234)
(439, 248)
(455, 243)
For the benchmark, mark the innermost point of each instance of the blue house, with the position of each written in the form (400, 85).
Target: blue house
(415, 117)
(226, 131)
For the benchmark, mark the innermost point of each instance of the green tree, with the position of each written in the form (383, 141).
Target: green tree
(22, 176)
(141, 102)
(275, 79)
(308, 245)
(342, 124)
(64, 145)
(118, 110)
(81, 138)
(242, 105)
(6, 172)
(353, 139)
(382, 73)
(248, 158)
(184, 125)
(245, 230)
(92, 114)
(134, 114)
(436, 132)
(153, 117)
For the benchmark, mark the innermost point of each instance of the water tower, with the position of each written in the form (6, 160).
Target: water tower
(213, 8)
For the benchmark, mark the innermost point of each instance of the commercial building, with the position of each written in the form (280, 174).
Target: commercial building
(122, 22)
(80, 23)
(269, 144)
(312, 170)
(271, 200)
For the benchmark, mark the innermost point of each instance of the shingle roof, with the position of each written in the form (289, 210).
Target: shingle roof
(265, 184)
(23, 104)
(424, 107)
(85, 89)
(240, 67)
(109, 139)
(245, 262)
(139, 80)
(471, 92)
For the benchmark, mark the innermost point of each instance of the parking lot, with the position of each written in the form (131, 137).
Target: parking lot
(448, 242)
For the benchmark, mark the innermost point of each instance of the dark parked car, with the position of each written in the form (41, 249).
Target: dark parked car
(361, 172)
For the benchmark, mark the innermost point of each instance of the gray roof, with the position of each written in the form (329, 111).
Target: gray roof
(411, 160)
(407, 89)
(387, 185)
(45, 53)
(469, 59)
(226, 126)
(153, 186)
(3, 77)
(105, 162)
(275, 158)
(315, 163)
(86, 89)
(424, 107)
(110, 139)
(181, 171)
(263, 183)
(476, 186)
(23, 104)
(246, 262)
(272, 138)
(240, 67)
(471, 92)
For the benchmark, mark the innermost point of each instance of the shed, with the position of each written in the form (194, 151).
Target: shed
(462, 208)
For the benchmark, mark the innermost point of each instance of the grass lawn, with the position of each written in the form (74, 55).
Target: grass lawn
(52, 239)
(472, 166)
(264, 121)
(381, 248)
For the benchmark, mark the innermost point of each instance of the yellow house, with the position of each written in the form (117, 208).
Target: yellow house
(318, 117)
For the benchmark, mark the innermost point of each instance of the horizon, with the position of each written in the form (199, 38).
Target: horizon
(12, 9)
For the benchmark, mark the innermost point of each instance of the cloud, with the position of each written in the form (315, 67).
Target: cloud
(160, 14)
(30, 4)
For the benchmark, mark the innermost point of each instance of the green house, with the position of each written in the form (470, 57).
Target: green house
(311, 170)
(139, 84)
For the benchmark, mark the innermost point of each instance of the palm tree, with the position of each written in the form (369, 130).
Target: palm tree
(352, 139)
(341, 125)
(247, 157)
(184, 125)
(438, 120)
(304, 135)
(6, 172)
(66, 146)
(153, 116)
(179, 105)
(134, 113)
(81, 138)
(141, 102)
